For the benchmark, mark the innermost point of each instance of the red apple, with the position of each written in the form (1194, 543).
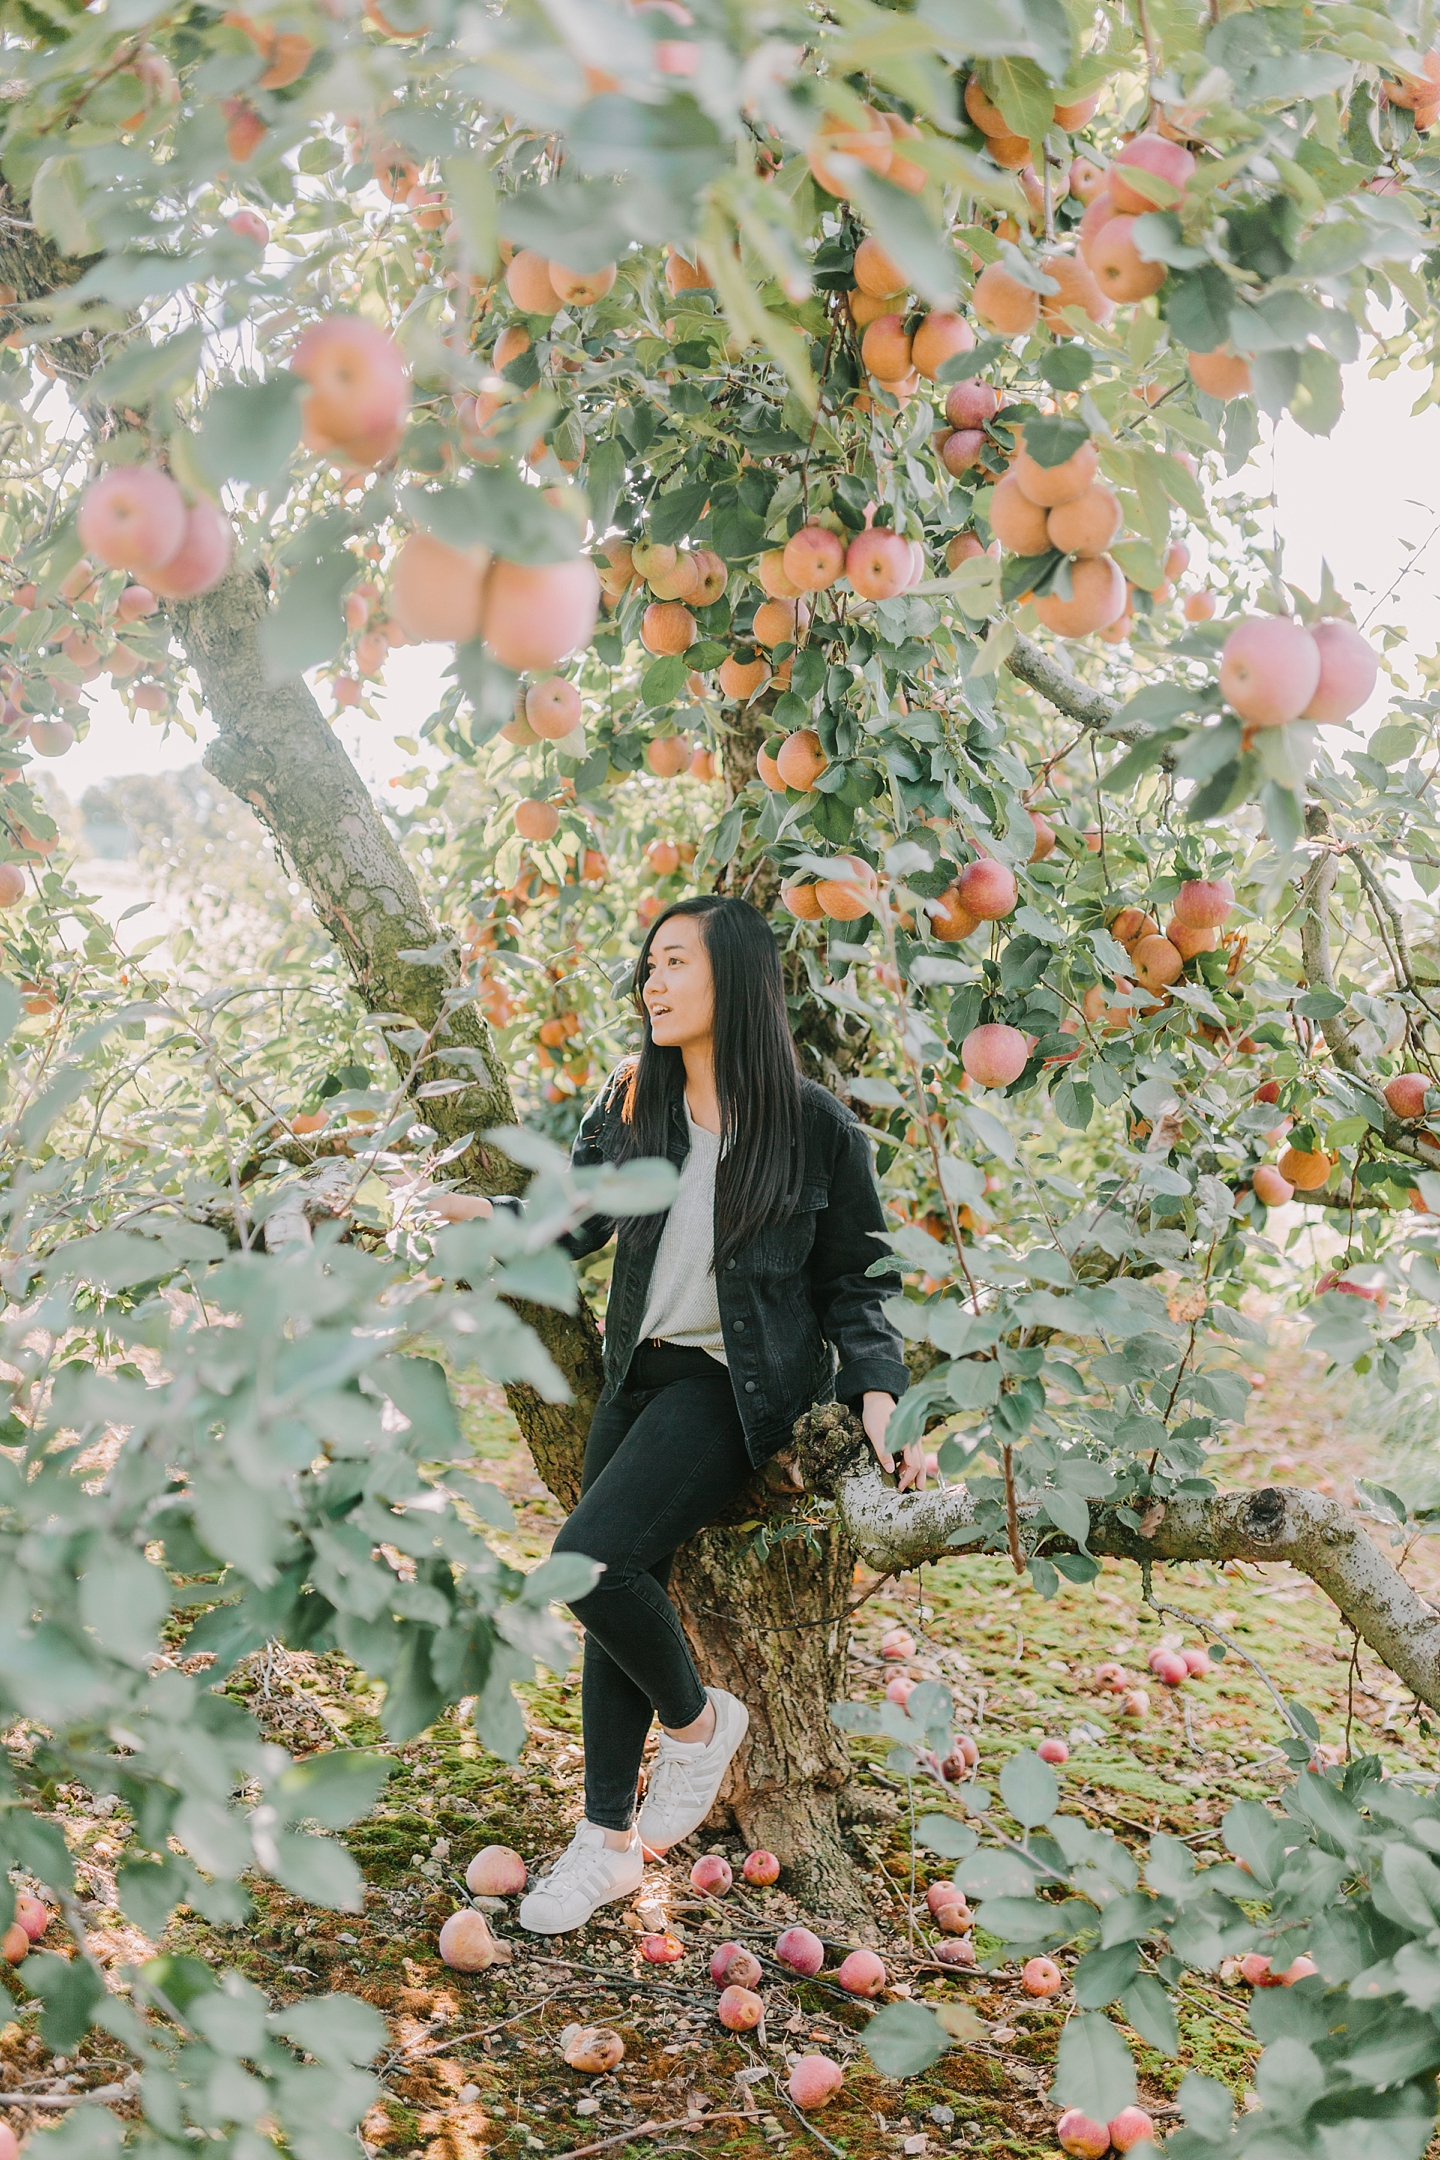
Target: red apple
(1053, 1751)
(1132, 2126)
(1076, 2133)
(739, 2009)
(1041, 1976)
(495, 1871)
(1406, 1093)
(711, 1874)
(862, 1973)
(661, 1949)
(814, 2079)
(761, 1868)
(803, 1952)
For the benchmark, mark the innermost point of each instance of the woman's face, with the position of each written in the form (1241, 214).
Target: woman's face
(679, 991)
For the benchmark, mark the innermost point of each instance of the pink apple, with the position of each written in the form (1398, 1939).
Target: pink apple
(803, 1952)
(1204, 903)
(897, 1642)
(994, 1055)
(1077, 2134)
(1348, 670)
(761, 1868)
(955, 1950)
(1405, 1094)
(1041, 1976)
(495, 1871)
(1150, 154)
(1053, 1751)
(986, 889)
(132, 518)
(900, 1689)
(1300, 1969)
(1269, 671)
(862, 1973)
(33, 1915)
(943, 1893)
(1132, 2126)
(1198, 1663)
(1255, 1967)
(661, 1949)
(739, 2009)
(712, 1875)
(466, 1944)
(1169, 1668)
(250, 226)
(737, 1967)
(814, 2079)
(202, 558)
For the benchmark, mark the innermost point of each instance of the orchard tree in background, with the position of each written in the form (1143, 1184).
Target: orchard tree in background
(821, 439)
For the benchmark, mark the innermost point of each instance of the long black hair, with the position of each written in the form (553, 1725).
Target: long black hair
(757, 1077)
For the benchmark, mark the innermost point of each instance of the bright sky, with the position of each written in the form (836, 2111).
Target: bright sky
(1356, 498)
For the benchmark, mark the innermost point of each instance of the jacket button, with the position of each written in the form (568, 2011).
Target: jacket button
(728, 1265)
(739, 1327)
(749, 1387)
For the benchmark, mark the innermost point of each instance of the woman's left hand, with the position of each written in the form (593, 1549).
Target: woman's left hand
(876, 1411)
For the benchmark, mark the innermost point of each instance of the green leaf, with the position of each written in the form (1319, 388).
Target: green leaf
(673, 516)
(904, 2038)
(124, 1598)
(59, 206)
(1093, 2069)
(149, 1891)
(1026, 97)
(335, 2029)
(496, 509)
(1051, 439)
(308, 627)
(470, 191)
(71, 1991)
(140, 369)
(907, 231)
(250, 431)
(1284, 815)
(1197, 309)
(943, 1834)
(605, 476)
(1029, 1789)
(318, 1869)
(334, 1788)
(1149, 2009)
(1207, 2105)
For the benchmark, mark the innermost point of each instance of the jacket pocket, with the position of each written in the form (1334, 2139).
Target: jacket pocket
(784, 1248)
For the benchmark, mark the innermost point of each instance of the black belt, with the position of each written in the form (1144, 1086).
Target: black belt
(658, 1364)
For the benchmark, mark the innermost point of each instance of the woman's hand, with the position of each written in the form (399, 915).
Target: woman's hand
(876, 1411)
(456, 1206)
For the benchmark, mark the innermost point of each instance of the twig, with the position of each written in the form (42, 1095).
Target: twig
(655, 2129)
(60, 2100)
(1173, 1612)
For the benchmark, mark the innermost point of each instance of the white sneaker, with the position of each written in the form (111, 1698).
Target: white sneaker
(685, 1776)
(587, 1874)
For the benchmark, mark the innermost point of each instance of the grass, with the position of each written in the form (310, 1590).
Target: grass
(475, 2066)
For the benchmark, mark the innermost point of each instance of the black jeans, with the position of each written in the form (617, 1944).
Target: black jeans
(662, 1460)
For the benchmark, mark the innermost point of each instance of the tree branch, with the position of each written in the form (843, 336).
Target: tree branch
(895, 1530)
(1076, 699)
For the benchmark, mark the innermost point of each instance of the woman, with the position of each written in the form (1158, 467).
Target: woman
(725, 1321)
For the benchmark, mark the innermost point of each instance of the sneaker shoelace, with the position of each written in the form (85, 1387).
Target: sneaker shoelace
(674, 1778)
(579, 1870)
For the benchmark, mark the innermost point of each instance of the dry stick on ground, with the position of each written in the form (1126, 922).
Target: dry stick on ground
(655, 2129)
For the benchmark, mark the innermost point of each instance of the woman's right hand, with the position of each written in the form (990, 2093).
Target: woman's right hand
(456, 1206)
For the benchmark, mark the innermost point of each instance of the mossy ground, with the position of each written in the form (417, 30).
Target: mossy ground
(476, 2065)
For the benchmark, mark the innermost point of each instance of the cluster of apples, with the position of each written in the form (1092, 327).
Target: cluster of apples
(1039, 507)
(895, 352)
(134, 518)
(466, 1943)
(376, 635)
(32, 1917)
(949, 1908)
(1013, 151)
(538, 286)
(1088, 2140)
(1198, 913)
(1257, 1970)
(1274, 669)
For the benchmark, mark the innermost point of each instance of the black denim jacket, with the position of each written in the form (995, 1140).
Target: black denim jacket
(801, 1320)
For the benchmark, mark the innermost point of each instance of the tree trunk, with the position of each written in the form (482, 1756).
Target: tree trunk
(276, 751)
(774, 1631)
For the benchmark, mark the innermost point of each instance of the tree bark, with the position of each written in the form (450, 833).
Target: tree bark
(890, 1529)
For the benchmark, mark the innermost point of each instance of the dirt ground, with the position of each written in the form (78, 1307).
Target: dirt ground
(475, 2066)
